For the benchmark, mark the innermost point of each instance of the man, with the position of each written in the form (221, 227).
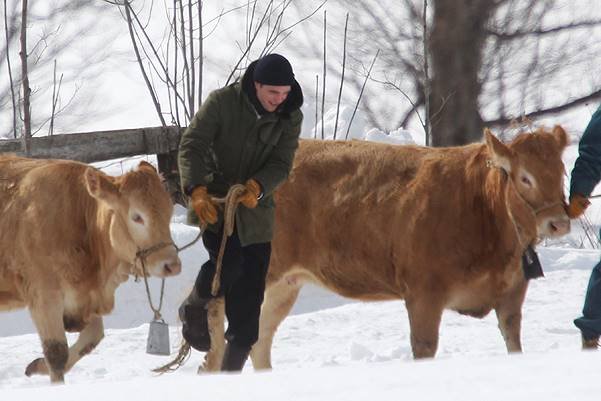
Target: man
(586, 174)
(244, 133)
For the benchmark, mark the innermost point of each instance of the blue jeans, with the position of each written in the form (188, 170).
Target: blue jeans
(590, 322)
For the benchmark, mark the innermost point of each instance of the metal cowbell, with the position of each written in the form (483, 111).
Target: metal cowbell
(158, 338)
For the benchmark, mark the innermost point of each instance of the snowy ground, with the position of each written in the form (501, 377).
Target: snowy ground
(353, 351)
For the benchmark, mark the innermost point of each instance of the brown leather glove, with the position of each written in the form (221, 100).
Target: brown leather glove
(250, 197)
(203, 206)
(577, 206)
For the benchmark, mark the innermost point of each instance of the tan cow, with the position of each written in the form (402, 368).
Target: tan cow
(441, 228)
(69, 235)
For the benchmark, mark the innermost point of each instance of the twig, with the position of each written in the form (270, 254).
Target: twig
(316, 104)
(427, 125)
(10, 74)
(155, 101)
(186, 73)
(323, 88)
(192, 59)
(55, 96)
(361, 94)
(200, 52)
(250, 44)
(341, 77)
(25, 81)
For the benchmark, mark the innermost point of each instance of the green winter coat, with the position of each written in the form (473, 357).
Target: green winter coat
(586, 173)
(228, 142)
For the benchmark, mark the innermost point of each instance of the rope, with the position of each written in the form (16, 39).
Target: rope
(142, 255)
(182, 356)
(231, 203)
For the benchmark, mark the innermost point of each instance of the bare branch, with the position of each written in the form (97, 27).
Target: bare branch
(550, 110)
(323, 86)
(361, 94)
(316, 105)
(341, 77)
(427, 89)
(55, 94)
(544, 32)
(250, 44)
(10, 74)
(25, 81)
(155, 101)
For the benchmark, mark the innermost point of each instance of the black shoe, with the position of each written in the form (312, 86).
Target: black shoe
(235, 357)
(195, 326)
(590, 343)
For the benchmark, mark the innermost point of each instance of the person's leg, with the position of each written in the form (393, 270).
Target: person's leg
(193, 311)
(590, 322)
(243, 299)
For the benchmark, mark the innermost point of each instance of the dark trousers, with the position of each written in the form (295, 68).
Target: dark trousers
(243, 273)
(590, 322)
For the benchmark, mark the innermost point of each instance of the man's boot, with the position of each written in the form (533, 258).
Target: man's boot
(195, 326)
(235, 357)
(590, 343)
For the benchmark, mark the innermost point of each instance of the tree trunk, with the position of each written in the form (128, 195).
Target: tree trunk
(457, 41)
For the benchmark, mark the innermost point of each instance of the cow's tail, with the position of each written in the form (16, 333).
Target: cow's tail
(181, 358)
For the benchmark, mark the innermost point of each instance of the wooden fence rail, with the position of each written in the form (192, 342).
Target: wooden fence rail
(97, 146)
(89, 147)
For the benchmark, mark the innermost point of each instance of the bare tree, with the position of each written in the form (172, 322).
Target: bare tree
(490, 61)
(178, 65)
(37, 37)
(457, 51)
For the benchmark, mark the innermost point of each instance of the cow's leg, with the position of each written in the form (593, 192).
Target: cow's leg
(216, 321)
(424, 322)
(509, 316)
(279, 299)
(87, 340)
(47, 315)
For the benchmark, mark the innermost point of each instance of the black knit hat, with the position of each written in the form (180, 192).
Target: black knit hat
(273, 69)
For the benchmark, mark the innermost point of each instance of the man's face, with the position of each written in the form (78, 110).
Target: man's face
(271, 96)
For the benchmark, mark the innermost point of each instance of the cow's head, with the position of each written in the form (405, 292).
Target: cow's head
(141, 210)
(533, 163)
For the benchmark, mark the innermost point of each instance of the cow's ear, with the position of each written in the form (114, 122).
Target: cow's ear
(145, 165)
(500, 154)
(560, 136)
(100, 186)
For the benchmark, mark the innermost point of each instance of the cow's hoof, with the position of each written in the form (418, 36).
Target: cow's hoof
(36, 367)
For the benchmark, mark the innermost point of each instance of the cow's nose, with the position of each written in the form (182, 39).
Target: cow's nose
(559, 227)
(172, 268)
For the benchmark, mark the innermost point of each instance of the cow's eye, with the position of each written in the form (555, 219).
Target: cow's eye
(137, 218)
(526, 181)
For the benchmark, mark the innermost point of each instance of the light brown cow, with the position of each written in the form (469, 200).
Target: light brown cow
(69, 235)
(441, 228)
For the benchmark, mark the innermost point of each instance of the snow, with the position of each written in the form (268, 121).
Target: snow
(355, 351)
